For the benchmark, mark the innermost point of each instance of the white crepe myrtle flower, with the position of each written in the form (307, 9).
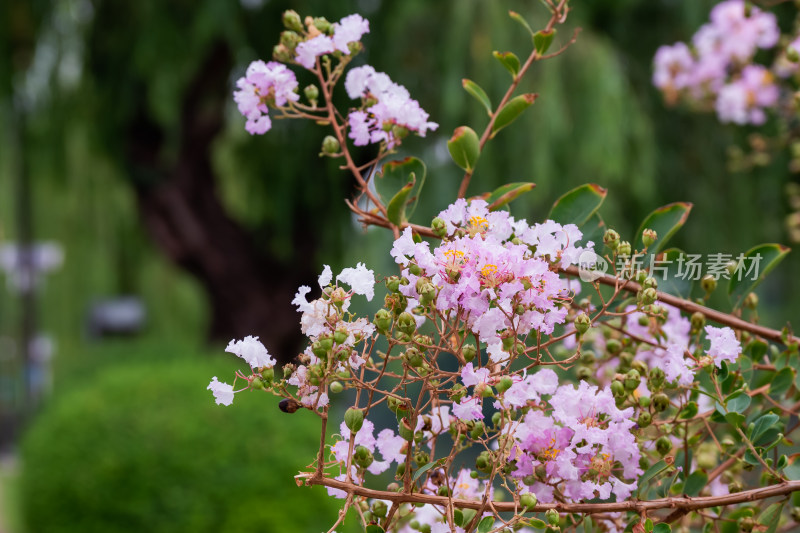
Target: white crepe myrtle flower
(223, 393)
(360, 279)
(251, 350)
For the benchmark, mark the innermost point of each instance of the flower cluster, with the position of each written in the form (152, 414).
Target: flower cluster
(264, 85)
(387, 111)
(717, 69)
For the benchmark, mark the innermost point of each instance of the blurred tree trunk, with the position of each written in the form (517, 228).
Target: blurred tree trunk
(249, 294)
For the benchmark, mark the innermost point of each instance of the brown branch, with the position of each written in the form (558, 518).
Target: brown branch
(673, 502)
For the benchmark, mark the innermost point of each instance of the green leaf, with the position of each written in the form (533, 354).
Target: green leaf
(752, 269)
(671, 270)
(510, 61)
(770, 517)
(424, 468)
(689, 411)
(536, 523)
(737, 402)
(762, 424)
(756, 349)
(458, 517)
(464, 147)
(486, 524)
(480, 95)
(542, 41)
(512, 110)
(648, 525)
(396, 209)
(792, 471)
(695, 483)
(505, 194)
(517, 17)
(394, 175)
(662, 528)
(374, 528)
(651, 472)
(665, 221)
(782, 381)
(578, 205)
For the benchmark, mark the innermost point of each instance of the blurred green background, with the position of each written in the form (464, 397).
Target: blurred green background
(137, 164)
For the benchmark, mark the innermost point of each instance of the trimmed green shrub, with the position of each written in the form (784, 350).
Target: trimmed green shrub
(145, 448)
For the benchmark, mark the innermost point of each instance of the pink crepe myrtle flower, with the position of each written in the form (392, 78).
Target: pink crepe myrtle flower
(264, 85)
(724, 345)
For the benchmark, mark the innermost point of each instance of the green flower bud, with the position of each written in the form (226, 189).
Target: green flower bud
(650, 283)
(640, 366)
(618, 389)
(427, 293)
(401, 470)
(412, 357)
(268, 374)
(383, 320)
(644, 419)
(655, 381)
(439, 227)
(625, 361)
(442, 491)
(649, 236)
(795, 512)
(708, 283)
(613, 346)
(256, 383)
(552, 517)
(644, 402)
(746, 524)
(611, 239)
(584, 373)
(318, 349)
(582, 323)
(504, 384)
(336, 387)
(340, 335)
(484, 462)
(281, 53)
(354, 419)
(477, 431)
(751, 300)
(379, 508)
(660, 402)
(405, 430)
(698, 320)
(624, 249)
(648, 296)
(362, 456)
(529, 480)
(588, 357)
(528, 500)
(458, 392)
(330, 145)
(469, 351)
(422, 458)
(290, 39)
(663, 446)
(292, 21)
(393, 283)
(632, 380)
(406, 323)
(322, 24)
(415, 269)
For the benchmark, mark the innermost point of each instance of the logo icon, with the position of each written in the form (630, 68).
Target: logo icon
(591, 266)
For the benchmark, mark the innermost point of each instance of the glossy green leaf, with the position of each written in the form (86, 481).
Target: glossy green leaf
(374, 528)
(396, 209)
(464, 147)
(522, 22)
(458, 517)
(737, 402)
(578, 205)
(486, 524)
(673, 273)
(782, 381)
(510, 61)
(689, 411)
(770, 517)
(424, 468)
(695, 483)
(542, 40)
(651, 472)
(665, 221)
(662, 528)
(480, 95)
(505, 194)
(792, 471)
(756, 349)
(756, 264)
(512, 110)
(536, 523)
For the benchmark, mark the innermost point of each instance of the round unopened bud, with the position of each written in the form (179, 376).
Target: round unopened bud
(322, 24)
(644, 419)
(415, 269)
(751, 300)
(483, 463)
(795, 512)
(393, 283)
(792, 54)
(469, 351)
(644, 402)
(354, 419)
(292, 21)
(588, 357)
(582, 323)
(650, 282)
(708, 283)
(663, 446)
(746, 524)
(421, 458)
(413, 357)
(552, 517)
(379, 508)
(281, 53)
(632, 380)
(649, 296)
(383, 320)
(290, 39)
(660, 402)
(497, 418)
(406, 323)
(698, 320)
(655, 380)
(504, 384)
(477, 431)
(613, 346)
(318, 350)
(624, 249)
(583, 373)
(362, 456)
(618, 389)
(427, 293)
(439, 227)
(268, 374)
(528, 500)
(330, 145)
(611, 239)
(336, 387)
(649, 236)
(405, 430)
(257, 384)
